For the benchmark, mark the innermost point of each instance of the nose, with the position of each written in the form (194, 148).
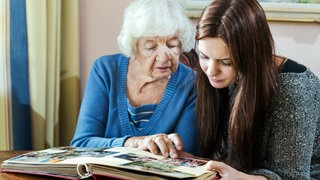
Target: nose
(213, 68)
(163, 54)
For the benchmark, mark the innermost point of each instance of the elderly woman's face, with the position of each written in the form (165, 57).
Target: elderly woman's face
(159, 55)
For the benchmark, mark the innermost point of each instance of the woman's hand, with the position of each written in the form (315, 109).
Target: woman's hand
(227, 172)
(167, 145)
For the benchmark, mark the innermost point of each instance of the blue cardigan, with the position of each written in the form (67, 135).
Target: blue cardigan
(104, 120)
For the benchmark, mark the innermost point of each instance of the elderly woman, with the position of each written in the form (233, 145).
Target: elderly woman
(143, 97)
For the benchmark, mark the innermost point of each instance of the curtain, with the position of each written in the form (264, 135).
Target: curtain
(54, 70)
(39, 100)
(20, 124)
(4, 110)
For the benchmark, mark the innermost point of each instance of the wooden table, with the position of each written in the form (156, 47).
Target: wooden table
(18, 176)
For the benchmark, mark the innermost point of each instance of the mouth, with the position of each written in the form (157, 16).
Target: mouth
(215, 80)
(163, 68)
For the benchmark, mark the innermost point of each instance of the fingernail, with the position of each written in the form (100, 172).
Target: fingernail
(155, 152)
(174, 155)
(179, 147)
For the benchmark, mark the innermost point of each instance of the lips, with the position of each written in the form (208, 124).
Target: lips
(214, 80)
(163, 67)
(166, 67)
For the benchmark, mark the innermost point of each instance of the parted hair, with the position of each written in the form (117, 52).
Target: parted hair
(146, 18)
(243, 27)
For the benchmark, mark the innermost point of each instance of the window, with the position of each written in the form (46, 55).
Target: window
(276, 10)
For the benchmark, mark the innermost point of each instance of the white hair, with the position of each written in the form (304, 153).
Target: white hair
(146, 18)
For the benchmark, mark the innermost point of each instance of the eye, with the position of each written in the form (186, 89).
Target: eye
(149, 47)
(150, 50)
(203, 57)
(226, 62)
(173, 44)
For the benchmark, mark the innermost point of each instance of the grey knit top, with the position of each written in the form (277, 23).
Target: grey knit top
(291, 138)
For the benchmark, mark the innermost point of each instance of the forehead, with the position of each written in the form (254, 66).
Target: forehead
(213, 47)
(158, 38)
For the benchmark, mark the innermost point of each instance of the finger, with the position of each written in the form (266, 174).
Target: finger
(216, 166)
(172, 149)
(177, 141)
(162, 144)
(209, 166)
(150, 145)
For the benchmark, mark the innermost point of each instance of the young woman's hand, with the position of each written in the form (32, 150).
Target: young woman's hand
(167, 145)
(227, 172)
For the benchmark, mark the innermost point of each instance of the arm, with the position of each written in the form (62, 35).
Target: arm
(94, 113)
(182, 138)
(289, 136)
(186, 127)
(292, 126)
(177, 116)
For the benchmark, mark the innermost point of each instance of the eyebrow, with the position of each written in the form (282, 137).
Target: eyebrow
(219, 59)
(223, 59)
(149, 40)
(173, 38)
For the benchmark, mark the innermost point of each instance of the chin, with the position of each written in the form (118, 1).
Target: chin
(218, 86)
(162, 76)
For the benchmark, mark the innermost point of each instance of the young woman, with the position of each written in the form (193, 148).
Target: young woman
(258, 113)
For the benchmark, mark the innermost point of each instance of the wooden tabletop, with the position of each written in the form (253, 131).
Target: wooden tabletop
(18, 176)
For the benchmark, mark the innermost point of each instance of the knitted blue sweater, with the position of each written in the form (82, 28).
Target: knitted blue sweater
(104, 120)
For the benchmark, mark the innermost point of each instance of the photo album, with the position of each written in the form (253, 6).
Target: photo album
(99, 163)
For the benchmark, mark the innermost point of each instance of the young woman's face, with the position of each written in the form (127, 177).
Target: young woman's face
(159, 55)
(216, 63)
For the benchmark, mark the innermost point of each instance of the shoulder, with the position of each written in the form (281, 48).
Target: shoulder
(186, 71)
(109, 63)
(297, 76)
(302, 81)
(109, 60)
(185, 76)
(296, 106)
(299, 91)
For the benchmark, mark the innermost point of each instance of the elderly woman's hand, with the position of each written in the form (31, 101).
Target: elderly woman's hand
(167, 145)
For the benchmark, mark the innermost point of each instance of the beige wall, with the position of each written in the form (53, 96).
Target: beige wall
(298, 41)
(100, 21)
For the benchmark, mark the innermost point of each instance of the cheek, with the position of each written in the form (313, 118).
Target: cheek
(175, 50)
(203, 65)
(148, 53)
(175, 57)
(232, 75)
(175, 62)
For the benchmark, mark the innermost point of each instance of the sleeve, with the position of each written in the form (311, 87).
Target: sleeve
(93, 116)
(292, 133)
(186, 127)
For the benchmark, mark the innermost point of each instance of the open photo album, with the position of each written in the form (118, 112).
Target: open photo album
(116, 162)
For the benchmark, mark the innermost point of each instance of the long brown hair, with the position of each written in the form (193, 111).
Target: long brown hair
(236, 120)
